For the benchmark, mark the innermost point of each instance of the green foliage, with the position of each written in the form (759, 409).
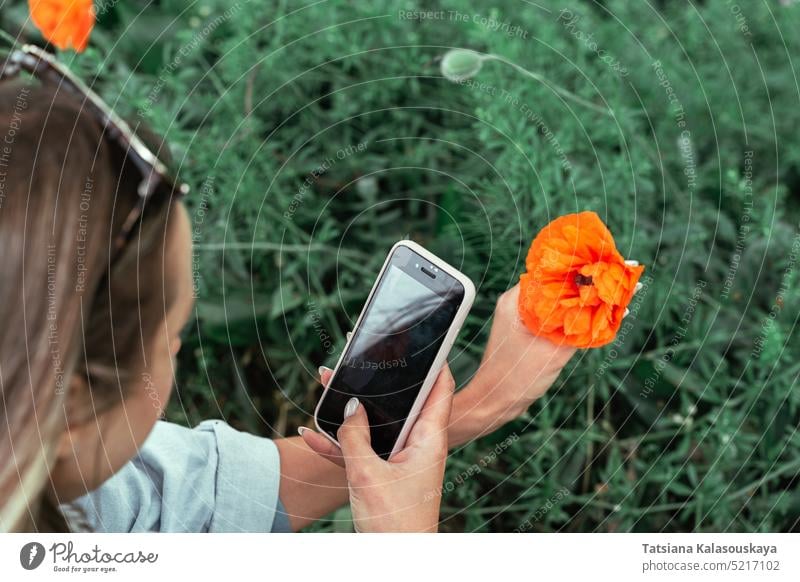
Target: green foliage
(317, 134)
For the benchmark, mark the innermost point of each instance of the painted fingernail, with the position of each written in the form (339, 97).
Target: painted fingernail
(351, 407)
(302, 429)
(638, 287)
(627, 311)
(321, 369)
(349, 334)
(632, 263)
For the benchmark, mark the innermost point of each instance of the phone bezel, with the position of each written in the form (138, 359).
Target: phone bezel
(444, 349)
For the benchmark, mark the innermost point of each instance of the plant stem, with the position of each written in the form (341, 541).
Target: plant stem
(557, 88)
(6, 36)
(270, 246)
(587, 472)
(794, 465)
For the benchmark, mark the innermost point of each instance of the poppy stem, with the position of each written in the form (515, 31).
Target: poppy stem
(6, 36)
(557, 88)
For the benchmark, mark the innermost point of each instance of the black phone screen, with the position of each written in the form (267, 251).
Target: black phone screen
(391, 352)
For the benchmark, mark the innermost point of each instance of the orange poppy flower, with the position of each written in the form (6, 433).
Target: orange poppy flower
(65, 23)
(577, 286)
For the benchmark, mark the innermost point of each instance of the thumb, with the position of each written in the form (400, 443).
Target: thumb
(354, 438)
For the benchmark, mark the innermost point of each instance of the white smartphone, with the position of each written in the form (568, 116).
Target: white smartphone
(398, 345)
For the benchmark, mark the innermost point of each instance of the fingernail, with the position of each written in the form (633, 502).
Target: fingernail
(320, 370)
(627, 311)
(632, 263)
(350, 408)
(301, 430)
(638, 287)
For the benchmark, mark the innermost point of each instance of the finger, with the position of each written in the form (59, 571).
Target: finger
(631, 263)
(440, 401)
(325, 374)
(321, 445)
(511, 295)
(354, 436)
(507, 302)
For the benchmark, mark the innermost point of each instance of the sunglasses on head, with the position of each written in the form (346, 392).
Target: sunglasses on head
(155, 177)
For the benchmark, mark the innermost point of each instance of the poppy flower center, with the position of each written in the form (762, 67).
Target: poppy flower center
(582, 280)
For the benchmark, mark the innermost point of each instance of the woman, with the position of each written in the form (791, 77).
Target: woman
(87, 357)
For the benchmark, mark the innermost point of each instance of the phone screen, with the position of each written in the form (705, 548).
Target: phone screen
(392, 350)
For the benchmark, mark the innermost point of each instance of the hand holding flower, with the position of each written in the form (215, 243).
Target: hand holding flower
(574, 295)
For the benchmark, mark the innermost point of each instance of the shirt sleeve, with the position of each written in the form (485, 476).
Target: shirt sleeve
(212, 478)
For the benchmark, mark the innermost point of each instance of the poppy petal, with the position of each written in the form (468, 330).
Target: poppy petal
(64, 23)
(577, 284)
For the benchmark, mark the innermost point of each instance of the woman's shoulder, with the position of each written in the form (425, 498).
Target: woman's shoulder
(208, 478)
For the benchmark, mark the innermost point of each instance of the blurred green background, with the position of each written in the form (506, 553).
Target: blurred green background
(316, 134)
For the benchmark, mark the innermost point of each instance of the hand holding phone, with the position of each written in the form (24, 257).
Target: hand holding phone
(398, 346)
(402, 494)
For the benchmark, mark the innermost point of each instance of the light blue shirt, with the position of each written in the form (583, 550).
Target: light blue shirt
(212, 478)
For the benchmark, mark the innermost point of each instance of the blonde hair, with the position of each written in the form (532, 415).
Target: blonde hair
(67, 190)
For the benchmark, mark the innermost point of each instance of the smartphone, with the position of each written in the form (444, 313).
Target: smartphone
(398, 345)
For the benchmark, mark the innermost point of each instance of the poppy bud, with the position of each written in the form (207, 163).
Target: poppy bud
(461, 64)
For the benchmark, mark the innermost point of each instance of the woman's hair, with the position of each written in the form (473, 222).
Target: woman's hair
(76, 319)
